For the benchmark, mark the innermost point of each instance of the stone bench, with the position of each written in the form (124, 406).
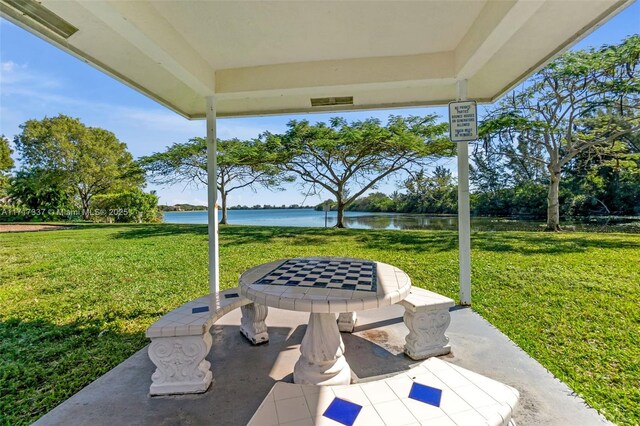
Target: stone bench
(427, 318)
(180, 340)
(434, 392)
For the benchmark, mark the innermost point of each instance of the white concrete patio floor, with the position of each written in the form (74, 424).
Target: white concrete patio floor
(243, 374)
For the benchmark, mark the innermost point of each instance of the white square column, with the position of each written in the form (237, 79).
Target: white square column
(212, 196)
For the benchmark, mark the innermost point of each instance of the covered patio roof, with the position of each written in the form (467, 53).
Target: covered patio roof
(263, 57)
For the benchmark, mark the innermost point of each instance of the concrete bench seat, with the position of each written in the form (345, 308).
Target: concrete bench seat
(435, 393)
(427, 318)
(195, 317)
(180, 340)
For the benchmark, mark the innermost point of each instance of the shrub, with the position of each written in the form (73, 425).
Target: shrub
(125, 207)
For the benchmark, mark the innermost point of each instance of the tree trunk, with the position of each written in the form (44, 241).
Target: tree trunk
(553, 204)
(340, 207)
(223, 198)
(85, 208)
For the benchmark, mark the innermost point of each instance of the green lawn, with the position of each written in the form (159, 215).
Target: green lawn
(75, 303)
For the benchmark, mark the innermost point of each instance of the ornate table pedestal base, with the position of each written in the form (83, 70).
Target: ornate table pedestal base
(322, 361)
(252, 324)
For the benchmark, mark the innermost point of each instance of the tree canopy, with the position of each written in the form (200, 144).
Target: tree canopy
(582, 100)
(348, 159)
(86, 161)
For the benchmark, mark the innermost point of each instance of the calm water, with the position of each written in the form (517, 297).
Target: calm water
(363, 220)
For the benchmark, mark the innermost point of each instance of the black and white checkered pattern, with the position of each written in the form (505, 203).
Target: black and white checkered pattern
(340, 274)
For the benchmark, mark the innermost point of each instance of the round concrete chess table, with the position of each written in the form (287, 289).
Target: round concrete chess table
(324, 286)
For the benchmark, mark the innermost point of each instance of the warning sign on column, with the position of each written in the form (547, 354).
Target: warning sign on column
(463, 121)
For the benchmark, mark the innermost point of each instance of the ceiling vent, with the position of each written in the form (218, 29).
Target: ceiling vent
(341, 100)
(40, 14)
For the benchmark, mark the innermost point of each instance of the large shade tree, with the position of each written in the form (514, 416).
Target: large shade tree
(583, 99)
(86, 161)
(241, 164)
(348, 159)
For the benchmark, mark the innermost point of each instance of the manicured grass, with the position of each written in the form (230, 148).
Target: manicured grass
(75, 303)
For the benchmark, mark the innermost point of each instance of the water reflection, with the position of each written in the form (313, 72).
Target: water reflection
(415, 221)
(401, 221)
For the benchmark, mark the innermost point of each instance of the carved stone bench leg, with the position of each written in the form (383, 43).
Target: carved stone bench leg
(347, 322)
(180, 364)
(252, 324)
(427, 325)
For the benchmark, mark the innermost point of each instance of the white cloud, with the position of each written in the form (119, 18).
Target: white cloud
(14, 76)
(8, 66)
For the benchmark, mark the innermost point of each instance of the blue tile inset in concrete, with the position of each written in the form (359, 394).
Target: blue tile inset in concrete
(426, 394)
(342, 411)
(200, 309)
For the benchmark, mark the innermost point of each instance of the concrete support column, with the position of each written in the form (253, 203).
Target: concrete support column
(212, 196)
(464, 213)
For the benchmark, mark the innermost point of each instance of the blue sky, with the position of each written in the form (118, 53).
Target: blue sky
(37, 80)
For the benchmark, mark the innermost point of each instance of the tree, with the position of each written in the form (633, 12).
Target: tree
(86, 160)
(581, 100)
(6, 164)
(373, 202)
(431, 194)
(488, 171)
(348, 159)
(241, 164)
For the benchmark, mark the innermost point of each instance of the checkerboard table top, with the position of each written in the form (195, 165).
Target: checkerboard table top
(324, 273)
(325, 284)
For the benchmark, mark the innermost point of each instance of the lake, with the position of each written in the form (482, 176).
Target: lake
(366, 220)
